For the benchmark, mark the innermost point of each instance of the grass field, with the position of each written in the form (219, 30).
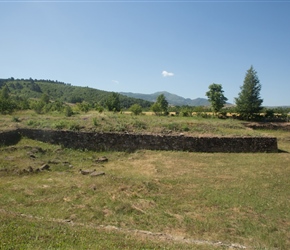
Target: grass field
(146, 199)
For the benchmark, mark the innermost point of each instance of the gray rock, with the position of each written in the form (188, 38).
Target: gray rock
(44, 167)
(94, 174)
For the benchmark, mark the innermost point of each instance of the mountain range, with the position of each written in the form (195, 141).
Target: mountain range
(29, 88)
(172, 99)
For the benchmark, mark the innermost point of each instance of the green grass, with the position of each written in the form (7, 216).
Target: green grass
(211, 197)
(114, 122)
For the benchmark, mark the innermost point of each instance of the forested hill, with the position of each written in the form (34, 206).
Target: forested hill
(29, 88)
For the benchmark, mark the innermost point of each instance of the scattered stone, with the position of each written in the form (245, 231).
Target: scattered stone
(30, 169)
(54, 161)
(31, 155)
(45, 167)
(37, 150)
(102, 159)
(58, 150)
(24, 171)
(87, 172)
(94, 174)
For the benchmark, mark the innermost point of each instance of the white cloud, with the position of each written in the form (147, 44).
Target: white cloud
(165, 73)
(115, 81)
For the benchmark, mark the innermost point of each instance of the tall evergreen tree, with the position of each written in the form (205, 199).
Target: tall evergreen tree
(249, 101)
(216, 97)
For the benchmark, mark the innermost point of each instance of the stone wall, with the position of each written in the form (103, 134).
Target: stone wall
(9, 138)
(131, 142)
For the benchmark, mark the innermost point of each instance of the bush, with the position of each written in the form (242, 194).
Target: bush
(68, 111)
(38, 107)
(136, 109)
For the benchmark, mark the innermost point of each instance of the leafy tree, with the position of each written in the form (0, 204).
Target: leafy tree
(216, 97)
(163, 103)
(113, 102)
(160, 106)
(68, 111)
(6, 104)
(75, 99)
(38, 107)
(4, 93)
(57, 106)
(249, 102)
(23, 103)
(84, 106)
(136, 109)
(156, 108)
(44, 98)
(99, 107)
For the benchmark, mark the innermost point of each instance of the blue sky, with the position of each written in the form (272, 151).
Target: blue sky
(147, 46)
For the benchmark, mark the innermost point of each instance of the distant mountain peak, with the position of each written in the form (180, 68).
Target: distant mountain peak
(172, 99)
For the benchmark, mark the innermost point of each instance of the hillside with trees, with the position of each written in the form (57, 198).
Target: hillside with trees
(63, 92)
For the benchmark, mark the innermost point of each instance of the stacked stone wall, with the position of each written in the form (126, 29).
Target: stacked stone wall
(132, 142)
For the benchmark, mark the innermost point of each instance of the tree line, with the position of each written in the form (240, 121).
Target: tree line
(52, 96)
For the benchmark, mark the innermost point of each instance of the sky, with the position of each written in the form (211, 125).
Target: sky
(147, 46)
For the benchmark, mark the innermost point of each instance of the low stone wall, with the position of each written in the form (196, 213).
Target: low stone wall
(9, 138)
(132, 142)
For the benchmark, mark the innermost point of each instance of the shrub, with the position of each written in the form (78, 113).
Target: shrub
(68, 111)
(136, 109)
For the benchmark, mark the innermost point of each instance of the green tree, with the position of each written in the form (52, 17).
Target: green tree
(84, 106)
(44, 98)
(38, 107)
(216, 97)
(136, 109)
(113, 102)
(249, 101)
(6, 104)
(160, 106)
(99, 107)
(68, 111)
(156, 108)
(4, 93)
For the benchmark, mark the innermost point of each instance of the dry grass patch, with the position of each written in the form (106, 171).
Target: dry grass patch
(233, 198)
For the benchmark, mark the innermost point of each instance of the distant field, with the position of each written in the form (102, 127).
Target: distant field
(146, 199)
